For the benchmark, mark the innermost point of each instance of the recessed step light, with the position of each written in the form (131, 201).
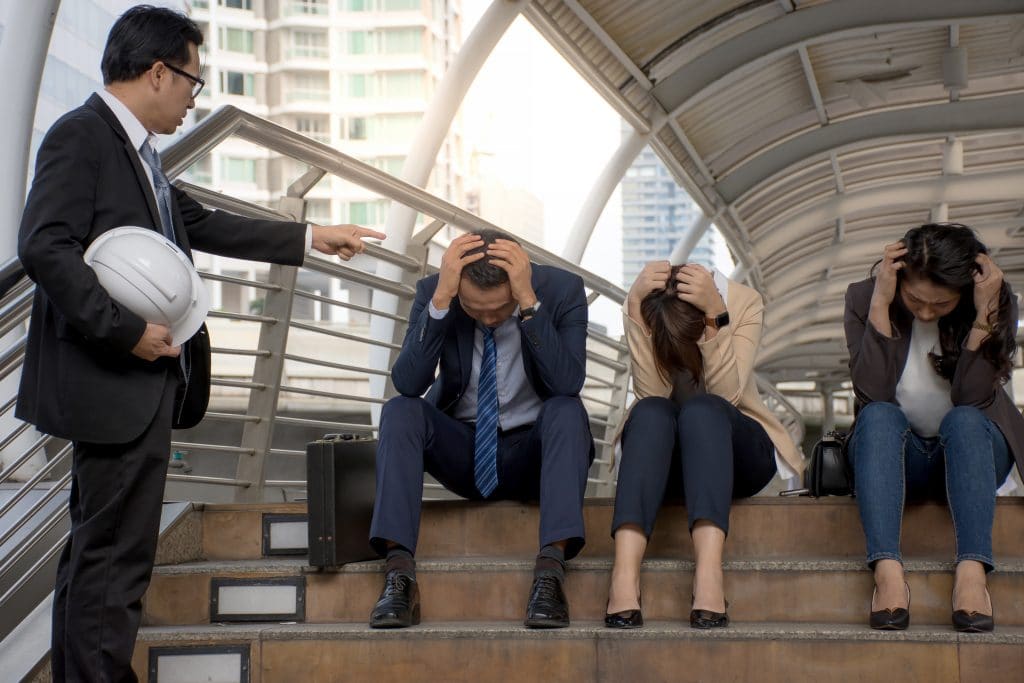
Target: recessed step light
(213, 664)
(285, 534)
(244, 600)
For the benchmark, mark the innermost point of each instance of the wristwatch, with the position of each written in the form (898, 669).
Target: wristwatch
(527, 313)
(719, 321)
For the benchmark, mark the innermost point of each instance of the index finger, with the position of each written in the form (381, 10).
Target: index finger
(367, 232)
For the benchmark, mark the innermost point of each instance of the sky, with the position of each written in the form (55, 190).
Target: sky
(550, 134)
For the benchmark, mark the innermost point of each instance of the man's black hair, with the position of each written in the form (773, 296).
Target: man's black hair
(483, 273)
(143, 36)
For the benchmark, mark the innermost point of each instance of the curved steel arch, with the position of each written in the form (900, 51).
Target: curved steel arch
(988, 114)
(832, 19)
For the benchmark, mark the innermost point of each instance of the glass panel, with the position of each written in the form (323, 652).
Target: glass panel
(403, 41)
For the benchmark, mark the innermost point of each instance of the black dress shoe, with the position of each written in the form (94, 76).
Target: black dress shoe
(890, 618)
(974, 622)
(547, 606)
(630, 618)
(399, 602)
(705, 618)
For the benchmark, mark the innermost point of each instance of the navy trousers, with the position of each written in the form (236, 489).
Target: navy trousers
(707, 450)
(546, 461)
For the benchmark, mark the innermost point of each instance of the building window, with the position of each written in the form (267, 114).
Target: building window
(236, 40)
(309, 87)
(306, 7)
(404, 84)
(309, 45)
(315, 128)
(318, 211)
(233, 4)
(234, 170)
(403, 41)
(357, 42)
(357, 128)
(237, 83)
(401, 5)
(357, 85)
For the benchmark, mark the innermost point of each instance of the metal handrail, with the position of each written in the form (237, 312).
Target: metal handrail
(50, 494)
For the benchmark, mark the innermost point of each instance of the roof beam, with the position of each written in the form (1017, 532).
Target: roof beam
(746, 52)
(1004, 112)
(812, 85)
(969, 188)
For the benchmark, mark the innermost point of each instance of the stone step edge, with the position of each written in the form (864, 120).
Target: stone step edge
(655, 630)
(293, 566)
(1001, 501)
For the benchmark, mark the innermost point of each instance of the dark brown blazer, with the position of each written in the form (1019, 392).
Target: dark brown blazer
(876, 363)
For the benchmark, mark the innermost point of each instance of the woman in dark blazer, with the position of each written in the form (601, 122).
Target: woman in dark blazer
(930, 337)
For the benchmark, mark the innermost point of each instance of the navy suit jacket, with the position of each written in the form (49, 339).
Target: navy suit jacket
(554, 342)
(80, 380)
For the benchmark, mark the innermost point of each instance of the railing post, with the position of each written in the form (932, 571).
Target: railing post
(605, 471)
(268, 370)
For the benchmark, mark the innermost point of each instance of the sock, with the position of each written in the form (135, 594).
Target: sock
(401, 560)
(550, 562)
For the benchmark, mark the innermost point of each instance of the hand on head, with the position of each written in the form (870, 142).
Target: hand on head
(696, 285)
(652, 278)
(886, 278)
(513, 259)
(455, 258)
(344, 241)
(988, 283)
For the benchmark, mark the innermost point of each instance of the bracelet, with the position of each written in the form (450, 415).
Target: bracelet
(984, 327)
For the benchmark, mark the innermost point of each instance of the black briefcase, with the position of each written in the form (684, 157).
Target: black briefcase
(340, 486)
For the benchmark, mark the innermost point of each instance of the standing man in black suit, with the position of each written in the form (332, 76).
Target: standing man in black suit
(96, 373)
(503, 419)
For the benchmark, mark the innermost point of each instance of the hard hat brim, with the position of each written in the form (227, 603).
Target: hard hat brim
(187, 325)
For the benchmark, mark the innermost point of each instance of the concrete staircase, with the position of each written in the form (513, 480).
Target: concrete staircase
(798, 590)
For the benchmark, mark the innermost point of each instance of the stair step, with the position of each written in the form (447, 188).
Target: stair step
(760, 527)
(661, 651)
(496, 589)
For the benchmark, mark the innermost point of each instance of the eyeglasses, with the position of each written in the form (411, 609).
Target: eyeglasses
(197, 83)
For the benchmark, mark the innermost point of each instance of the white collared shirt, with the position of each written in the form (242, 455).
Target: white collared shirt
(138, 135)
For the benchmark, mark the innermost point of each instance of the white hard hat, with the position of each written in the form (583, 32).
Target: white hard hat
(149, 275)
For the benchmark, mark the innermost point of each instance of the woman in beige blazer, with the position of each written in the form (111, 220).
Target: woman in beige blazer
(698, 427)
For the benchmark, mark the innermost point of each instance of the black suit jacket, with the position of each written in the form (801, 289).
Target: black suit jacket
(80, 380)
(877, 361)
(554, 342)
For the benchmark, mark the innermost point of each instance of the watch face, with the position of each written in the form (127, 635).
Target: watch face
(722, 319)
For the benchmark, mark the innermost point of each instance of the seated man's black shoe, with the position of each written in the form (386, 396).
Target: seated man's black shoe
(547, 606)
(399, 602)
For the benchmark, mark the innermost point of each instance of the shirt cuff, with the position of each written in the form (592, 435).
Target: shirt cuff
(309, 238)
(434, 312)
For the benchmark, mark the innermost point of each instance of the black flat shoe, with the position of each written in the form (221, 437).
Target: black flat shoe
(630, 618)
(547, 606)
(705, 618)
(974, 622)
(399, 602)
(890, 618)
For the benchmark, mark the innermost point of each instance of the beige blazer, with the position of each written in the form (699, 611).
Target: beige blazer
(728, 366)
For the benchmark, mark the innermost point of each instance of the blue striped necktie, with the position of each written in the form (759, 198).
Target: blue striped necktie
(163, 190)
(485, 458)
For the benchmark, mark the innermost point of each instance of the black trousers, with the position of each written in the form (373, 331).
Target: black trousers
(547, 460)
(708, 451)
(117, 493)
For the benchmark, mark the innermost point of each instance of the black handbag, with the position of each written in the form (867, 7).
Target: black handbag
(828, 472)
(193, 395)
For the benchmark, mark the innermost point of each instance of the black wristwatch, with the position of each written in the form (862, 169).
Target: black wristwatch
(527, 313)
(719, 321)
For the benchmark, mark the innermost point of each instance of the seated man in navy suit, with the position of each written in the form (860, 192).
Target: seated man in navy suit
(503, 419)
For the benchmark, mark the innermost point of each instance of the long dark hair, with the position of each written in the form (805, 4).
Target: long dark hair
(675, 327)
(945, 253)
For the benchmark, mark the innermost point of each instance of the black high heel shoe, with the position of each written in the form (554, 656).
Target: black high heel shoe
(974, 622)
(890, 618)
(705, 618)
(630, 618)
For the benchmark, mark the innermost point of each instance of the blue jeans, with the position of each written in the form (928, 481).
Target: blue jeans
(964, 465)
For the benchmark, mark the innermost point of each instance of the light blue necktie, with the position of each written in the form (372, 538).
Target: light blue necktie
(163, 190)
(485, 458)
